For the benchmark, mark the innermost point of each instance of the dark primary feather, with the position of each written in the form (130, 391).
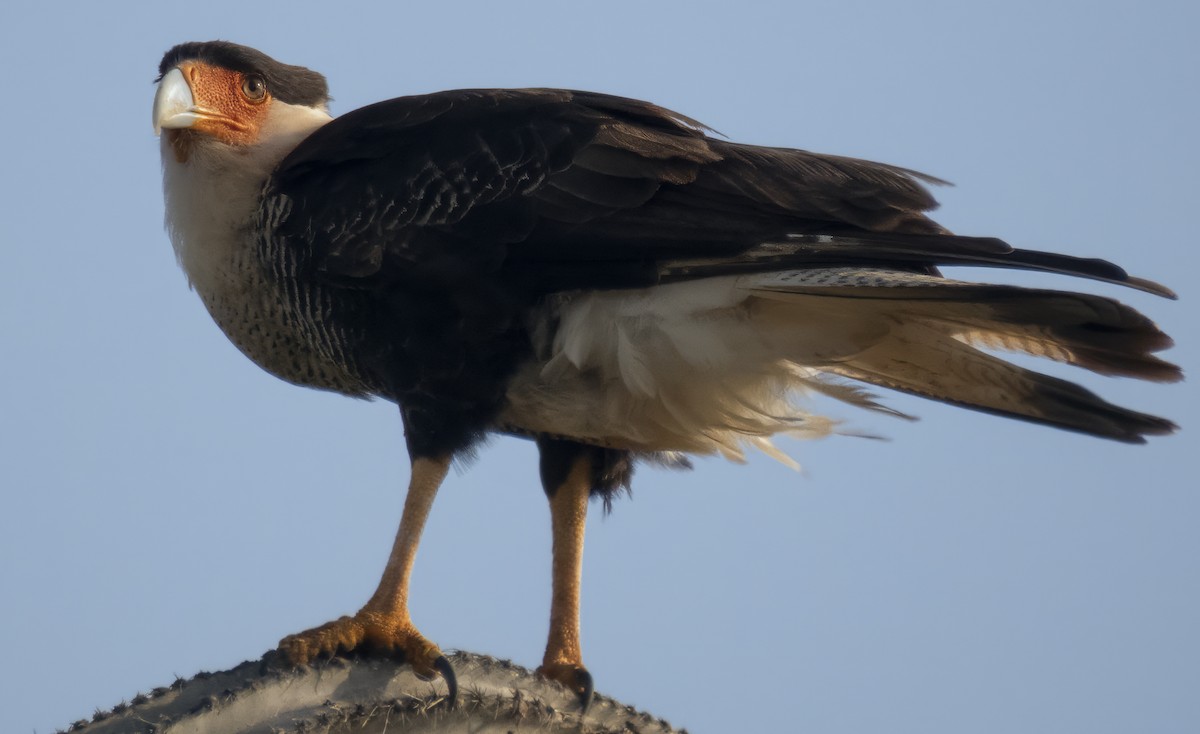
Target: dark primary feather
(590, 190)
(899, 250)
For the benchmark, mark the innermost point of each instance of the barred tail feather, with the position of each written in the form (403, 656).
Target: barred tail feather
(923, 362)
(931, 327)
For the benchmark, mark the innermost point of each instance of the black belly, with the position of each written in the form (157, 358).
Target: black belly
(444, 355)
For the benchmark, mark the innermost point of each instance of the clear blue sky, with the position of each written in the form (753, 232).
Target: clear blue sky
(167, 507)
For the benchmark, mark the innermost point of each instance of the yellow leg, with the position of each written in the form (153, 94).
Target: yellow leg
(383, 623)
(563, 660)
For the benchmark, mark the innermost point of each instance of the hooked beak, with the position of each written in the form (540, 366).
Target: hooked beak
(173, 104)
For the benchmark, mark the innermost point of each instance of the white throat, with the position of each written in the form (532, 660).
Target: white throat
(211, 198)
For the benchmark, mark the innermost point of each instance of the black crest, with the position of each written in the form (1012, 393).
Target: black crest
(291, 84)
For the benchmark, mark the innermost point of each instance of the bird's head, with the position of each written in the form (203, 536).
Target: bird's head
(217, 93)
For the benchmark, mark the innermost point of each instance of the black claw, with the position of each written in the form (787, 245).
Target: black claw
(583, 679)
(442, 665)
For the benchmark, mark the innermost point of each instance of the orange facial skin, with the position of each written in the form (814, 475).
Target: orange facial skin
(231, 106)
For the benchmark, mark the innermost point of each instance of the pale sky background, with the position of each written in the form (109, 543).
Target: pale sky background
(166, 507)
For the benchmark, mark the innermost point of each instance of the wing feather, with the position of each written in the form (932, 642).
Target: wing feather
(552, 190)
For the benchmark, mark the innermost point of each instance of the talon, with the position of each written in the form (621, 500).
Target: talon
(421, 655)
(575, 678)
(443, 666)
(583, 679)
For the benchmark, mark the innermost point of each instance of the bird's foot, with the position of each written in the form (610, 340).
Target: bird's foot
(372, 632)
(575, 677)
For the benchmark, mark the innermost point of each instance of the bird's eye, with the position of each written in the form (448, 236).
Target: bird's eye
(254, 88)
